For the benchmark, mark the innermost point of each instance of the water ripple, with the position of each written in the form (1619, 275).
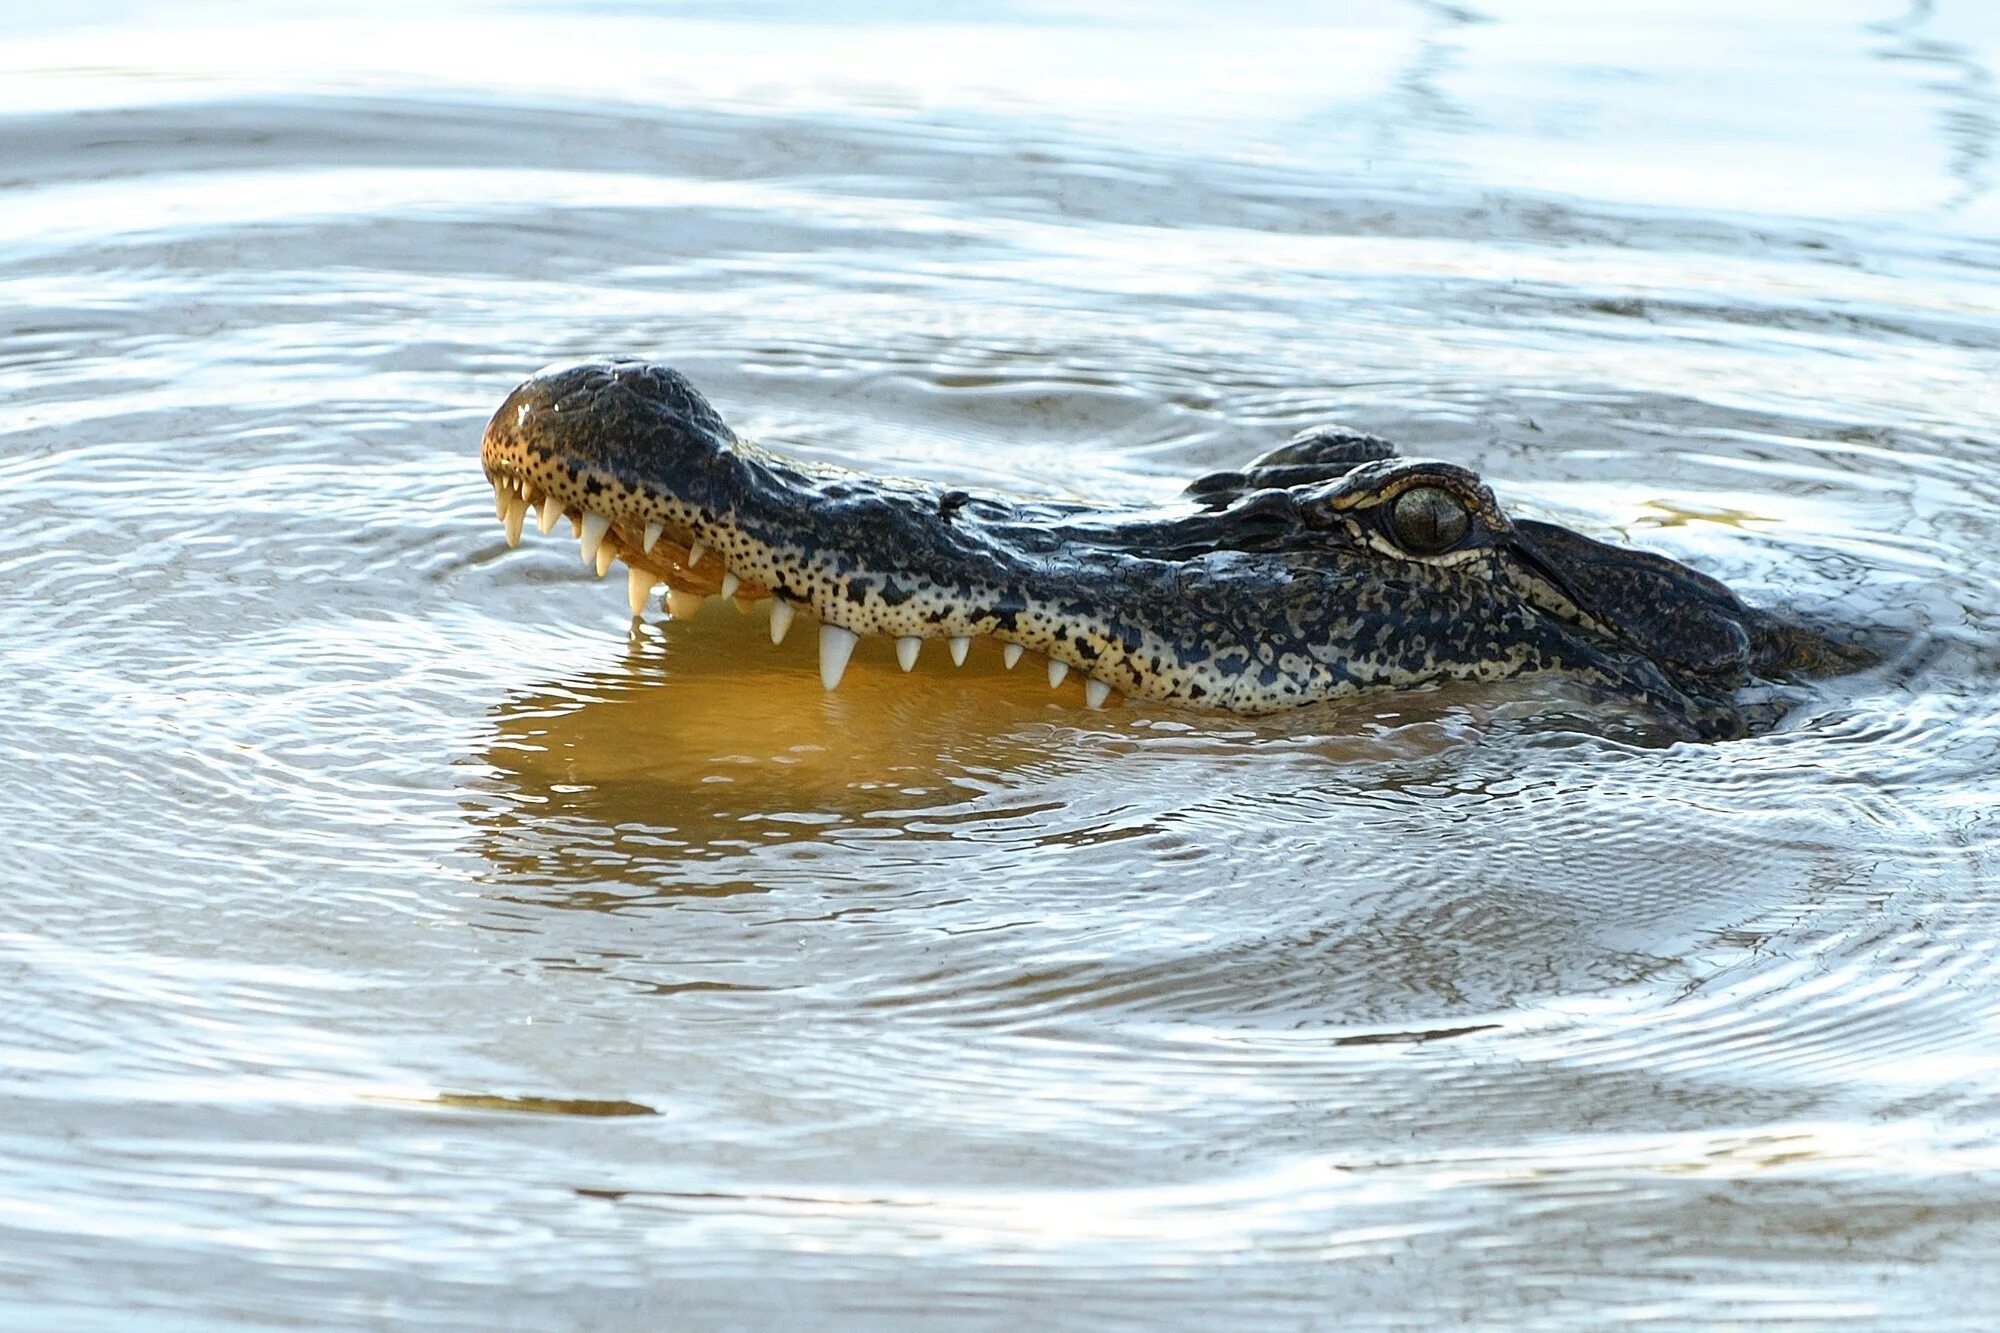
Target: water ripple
(397, 932)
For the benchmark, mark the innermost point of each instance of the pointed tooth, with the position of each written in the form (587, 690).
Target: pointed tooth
(683, 605)
(959, 644)
(836, 645)
(606, 553)
(907, 648)
(517, 509)
(653, 531)
(730, 583)
(590, 536)
(695, 552)
(1095, 692)
(781, 619)
(1010, 654)
(1057, 670)
(547, 514)
(500, 500)
(638, 588)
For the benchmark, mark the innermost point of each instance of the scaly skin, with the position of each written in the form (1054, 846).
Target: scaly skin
(1326, 567)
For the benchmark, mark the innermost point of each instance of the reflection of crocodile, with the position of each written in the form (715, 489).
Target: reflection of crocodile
(1325, 567)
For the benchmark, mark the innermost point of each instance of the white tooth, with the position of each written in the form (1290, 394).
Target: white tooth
(959, 643)
(836, 645)
(500, 500)
(638, 587)
(730, 583)
(591, 536)
(695, 552)
(517, 509)
(1095, 692)
(781, 619)
(683, 605)
(1057, 670)
(1010, 654)
(653, 531)
(907, 648)
(547, 514)
(606, 553)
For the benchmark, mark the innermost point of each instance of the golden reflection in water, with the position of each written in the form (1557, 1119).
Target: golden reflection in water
(1668, 514)
(702, 743)
(705, 739)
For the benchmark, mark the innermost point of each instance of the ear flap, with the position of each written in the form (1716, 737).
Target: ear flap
(1672, 614)
(1316, 454)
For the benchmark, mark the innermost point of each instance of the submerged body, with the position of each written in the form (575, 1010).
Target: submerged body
(1325, 567)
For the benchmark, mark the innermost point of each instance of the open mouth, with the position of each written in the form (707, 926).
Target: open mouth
(630, 524)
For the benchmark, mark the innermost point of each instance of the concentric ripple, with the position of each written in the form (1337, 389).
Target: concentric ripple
(397, 932)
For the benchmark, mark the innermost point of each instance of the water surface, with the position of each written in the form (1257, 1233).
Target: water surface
(394, 932)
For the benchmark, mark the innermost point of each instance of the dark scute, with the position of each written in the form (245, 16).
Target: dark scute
(1315, 455)
(1216, 486)
(1334, 450)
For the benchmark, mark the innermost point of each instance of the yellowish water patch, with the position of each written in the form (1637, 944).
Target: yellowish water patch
(482, 1101)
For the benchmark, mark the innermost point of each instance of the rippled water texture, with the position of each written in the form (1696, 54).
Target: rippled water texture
(393, 934)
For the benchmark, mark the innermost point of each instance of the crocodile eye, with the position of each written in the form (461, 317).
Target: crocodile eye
(1428, 521)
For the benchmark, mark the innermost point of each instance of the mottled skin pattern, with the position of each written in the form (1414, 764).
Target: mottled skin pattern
(1325, 567)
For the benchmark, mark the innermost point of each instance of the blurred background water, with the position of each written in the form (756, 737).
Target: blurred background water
(393, 933)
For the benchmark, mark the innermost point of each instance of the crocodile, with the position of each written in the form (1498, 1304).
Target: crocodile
(1325, 567)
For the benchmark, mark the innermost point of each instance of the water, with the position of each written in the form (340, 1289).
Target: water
(391, 935)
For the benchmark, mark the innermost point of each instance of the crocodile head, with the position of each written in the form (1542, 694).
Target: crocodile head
(1323, 568)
